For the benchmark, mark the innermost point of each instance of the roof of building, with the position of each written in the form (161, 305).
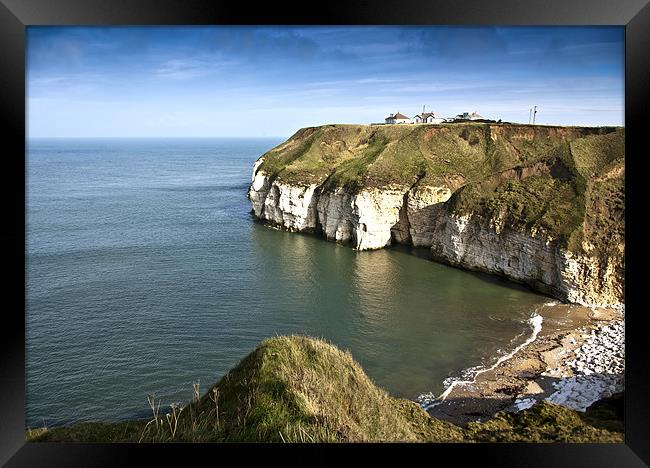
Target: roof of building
(468, 115)
(426, 115)
(397, 116)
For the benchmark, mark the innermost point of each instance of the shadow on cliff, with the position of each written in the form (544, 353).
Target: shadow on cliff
(491, 278)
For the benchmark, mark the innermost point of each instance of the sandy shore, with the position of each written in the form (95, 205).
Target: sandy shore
(573, 356)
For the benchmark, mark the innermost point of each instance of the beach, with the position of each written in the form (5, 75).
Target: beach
(574, 357)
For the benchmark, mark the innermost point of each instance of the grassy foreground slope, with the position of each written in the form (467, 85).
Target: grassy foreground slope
(565, 182)
(299, 389)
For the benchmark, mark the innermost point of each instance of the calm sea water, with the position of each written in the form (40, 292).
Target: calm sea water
(146, 272)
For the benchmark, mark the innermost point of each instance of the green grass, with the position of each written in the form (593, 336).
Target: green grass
(297, 389)
(376, 155)
(546, 422)
(538, 202)
(300, 389)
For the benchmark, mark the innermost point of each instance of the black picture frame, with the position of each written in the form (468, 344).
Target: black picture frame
(15, 15)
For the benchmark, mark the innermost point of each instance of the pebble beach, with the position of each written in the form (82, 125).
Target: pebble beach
(573, 357)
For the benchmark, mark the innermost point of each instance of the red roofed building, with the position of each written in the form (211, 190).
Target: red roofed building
(397, 118)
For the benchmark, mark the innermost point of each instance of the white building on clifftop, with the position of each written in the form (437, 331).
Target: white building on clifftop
(468, 116)
(428, 117)
(397, 118)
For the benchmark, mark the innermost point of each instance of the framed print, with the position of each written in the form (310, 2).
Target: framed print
(368, 227)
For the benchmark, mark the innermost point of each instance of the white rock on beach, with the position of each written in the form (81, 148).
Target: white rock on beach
(524, 403)
(599, 368)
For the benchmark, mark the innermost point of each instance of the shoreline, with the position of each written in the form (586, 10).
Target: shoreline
(573, 357)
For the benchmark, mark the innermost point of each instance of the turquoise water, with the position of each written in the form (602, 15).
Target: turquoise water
(146, 272)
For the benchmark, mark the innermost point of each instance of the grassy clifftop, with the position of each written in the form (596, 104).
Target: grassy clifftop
(299, 389)
(375, 155)
(566, 182)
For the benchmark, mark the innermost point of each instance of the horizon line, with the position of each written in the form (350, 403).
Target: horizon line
(151, 136)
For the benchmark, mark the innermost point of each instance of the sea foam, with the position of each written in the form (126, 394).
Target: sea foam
(469, 375)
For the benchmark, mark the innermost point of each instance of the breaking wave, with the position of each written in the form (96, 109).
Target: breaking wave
(469, 375)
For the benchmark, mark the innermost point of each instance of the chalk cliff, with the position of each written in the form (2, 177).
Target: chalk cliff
(539, 205)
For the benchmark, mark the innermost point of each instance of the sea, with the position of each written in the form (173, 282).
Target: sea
(146, 273)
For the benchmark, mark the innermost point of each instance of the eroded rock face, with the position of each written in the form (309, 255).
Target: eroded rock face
(593, 281)
(372, 214)
(424, 207)
(475, 243)
(363, 219)
(289, 206)
(374, 218)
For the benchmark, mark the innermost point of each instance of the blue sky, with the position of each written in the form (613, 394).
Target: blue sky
(270, 81)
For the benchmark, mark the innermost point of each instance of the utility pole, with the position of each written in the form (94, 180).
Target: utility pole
(530, 115)
(534, 113)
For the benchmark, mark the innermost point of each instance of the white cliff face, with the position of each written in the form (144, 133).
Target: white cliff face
(292, 207)
(587, 281)
(473, 243)
(464, 241)
(377, 211)
(364, 219)
(424, 206)
(257, 164)
(335, 215)
(258, 191)
(374, 218)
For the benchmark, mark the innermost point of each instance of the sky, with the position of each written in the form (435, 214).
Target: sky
(233, 81)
